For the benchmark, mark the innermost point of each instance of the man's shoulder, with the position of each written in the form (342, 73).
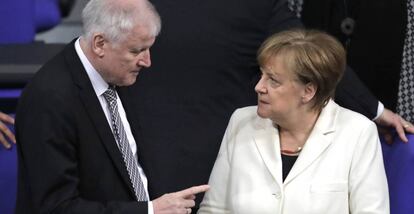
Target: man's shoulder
(52, 80)
(55, 72)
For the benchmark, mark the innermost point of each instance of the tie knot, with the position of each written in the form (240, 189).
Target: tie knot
(110, 94)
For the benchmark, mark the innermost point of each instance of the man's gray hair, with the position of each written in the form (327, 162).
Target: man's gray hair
(115, 20)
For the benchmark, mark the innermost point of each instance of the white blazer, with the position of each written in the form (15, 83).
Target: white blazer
(340, 169)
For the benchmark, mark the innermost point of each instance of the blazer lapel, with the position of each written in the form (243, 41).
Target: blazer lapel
(315, 146)
(266, 139)
(94, 109)
(318, 141)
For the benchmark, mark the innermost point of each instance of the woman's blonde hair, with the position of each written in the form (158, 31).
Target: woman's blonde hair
(312, 56)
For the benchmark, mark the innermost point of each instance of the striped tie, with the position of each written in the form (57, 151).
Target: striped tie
(405, 106)
(296, 7)
(123, 145)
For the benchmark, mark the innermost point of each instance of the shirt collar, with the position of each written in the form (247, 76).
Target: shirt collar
(98, 83)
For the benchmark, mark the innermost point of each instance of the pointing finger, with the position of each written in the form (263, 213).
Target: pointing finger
(192, 191)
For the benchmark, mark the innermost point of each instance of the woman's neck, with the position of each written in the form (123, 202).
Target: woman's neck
(295, 131)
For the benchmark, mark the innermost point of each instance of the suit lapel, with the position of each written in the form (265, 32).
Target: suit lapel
(315, 146)
(266, 139)
(95, 112)
(318, 141)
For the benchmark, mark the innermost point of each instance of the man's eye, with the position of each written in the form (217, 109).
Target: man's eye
(136, 51)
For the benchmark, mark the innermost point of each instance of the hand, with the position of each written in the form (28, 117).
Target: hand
(178, 202)
(389, 119)
(5, 131)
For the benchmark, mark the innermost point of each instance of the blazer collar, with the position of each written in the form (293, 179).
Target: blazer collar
(266, 138)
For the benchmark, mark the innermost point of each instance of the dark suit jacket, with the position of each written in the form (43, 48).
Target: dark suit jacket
(375, 47)
(68, 158)
(203, 68)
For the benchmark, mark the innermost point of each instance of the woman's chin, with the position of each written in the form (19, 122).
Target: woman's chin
(262, 113)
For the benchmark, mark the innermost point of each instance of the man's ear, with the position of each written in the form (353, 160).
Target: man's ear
(99, 44)
(309, 92)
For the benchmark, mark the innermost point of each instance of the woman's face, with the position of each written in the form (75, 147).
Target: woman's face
(279, 91)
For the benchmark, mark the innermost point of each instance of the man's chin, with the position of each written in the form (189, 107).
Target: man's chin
(128, 82)
(132, 82)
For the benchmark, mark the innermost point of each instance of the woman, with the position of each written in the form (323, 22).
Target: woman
(297, 151)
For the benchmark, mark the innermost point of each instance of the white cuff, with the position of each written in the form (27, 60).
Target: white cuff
(150, 208)
(379, 110)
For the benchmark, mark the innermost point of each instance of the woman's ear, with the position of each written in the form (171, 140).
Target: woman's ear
(98, 45)
(309, 92)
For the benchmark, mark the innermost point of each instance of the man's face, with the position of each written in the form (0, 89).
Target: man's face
(123, 60)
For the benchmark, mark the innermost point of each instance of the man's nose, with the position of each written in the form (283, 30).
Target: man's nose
(145, 59)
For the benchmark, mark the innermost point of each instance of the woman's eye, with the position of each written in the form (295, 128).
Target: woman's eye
(273, 82)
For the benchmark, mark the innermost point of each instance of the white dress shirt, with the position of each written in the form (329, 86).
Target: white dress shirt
(100, 86)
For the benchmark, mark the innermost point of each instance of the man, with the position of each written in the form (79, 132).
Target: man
(380, 49)
(375, 41)
(5, 131)
(77, 139)
(362, 28)
(206, 68)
